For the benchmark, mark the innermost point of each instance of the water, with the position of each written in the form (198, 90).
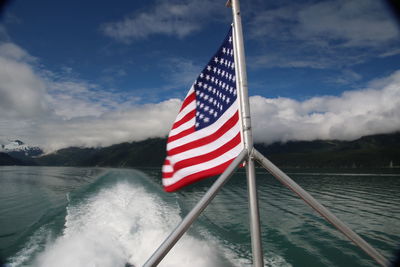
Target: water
(53, 216)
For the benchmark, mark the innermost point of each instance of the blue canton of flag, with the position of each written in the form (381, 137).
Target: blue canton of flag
(215, 87)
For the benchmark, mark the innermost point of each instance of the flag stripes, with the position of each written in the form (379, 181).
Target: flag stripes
(205, 137)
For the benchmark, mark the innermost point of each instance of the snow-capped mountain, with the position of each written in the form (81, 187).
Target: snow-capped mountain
(19, 149)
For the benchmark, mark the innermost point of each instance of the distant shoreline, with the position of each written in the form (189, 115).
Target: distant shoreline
(369, 152)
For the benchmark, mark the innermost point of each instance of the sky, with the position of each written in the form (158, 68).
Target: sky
(96, 73)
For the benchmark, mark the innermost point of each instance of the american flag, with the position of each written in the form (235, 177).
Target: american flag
(206, 137)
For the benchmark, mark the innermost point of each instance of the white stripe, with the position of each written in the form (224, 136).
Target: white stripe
(181, 128)
(198, 151)
(186, 110)
(167, 168)
(231, 154)
(207, 130)
(181, 174)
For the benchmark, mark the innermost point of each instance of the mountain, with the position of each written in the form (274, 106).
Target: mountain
(375, 151)
(7, 160)
(19, 150)
(150, 152)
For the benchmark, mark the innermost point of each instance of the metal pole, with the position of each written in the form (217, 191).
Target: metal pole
(324, 212)
(170, 241)
(256, 247)
(241, 77)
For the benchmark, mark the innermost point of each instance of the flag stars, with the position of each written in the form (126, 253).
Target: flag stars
(215, 87)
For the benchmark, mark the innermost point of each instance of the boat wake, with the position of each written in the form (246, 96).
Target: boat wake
(121, 224)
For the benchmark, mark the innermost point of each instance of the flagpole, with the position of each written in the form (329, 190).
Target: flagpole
(241, 77)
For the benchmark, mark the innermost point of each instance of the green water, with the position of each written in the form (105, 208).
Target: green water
(108, 217)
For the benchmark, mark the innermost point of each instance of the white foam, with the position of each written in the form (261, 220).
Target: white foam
(122, 224)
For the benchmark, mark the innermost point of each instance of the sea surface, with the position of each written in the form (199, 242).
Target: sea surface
(56, 216)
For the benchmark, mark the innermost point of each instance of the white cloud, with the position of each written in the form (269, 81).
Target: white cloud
(353, 23)
(174, 18)
(21, 90)
(325, 34)
(41, 108)
(135, 123)
(352, 115)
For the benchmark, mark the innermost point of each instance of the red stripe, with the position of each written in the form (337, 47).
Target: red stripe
(209, 156)
(185, 118)
(207, 139)
(166, 175)
(188, 100)
(182, 134)
(198, 176)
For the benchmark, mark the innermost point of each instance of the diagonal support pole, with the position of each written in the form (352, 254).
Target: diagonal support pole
(171, 240)
(324, 212)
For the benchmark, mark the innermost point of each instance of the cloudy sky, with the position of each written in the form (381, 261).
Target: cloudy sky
(97, 73)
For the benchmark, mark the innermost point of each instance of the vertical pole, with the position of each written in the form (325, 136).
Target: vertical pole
(247, 135)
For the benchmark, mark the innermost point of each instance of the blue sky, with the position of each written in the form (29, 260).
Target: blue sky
(77, 72)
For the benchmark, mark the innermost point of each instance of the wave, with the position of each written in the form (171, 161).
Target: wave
(117, 221)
